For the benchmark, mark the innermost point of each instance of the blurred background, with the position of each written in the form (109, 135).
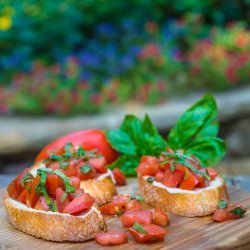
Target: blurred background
(71, 64)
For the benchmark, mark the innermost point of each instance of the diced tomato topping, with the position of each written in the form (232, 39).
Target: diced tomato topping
(172, 179)
(77, 193)
(195, 162)
(120, 200)
(111, 209)
(55, 165)
(79, 204)
(159, 176)
(154, 233)
(133, 205)
(20, 178)
(71, 168)
(62, 200)
(85, 176)
(99, 164)
(148, 165)
(22, 196)
(160, 217)
(75, 182)
(12, 189)
(111, 238)
(212, 173)
(41, 204)
(129, 218)
(31, 194)
(53, 181)
(119, 176)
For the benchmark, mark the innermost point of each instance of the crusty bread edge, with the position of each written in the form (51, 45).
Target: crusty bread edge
(184, 204)
(54, 226)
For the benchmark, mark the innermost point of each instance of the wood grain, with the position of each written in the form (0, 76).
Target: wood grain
(183, 233)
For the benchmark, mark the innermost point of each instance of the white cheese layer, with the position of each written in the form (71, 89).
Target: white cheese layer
(213, 184)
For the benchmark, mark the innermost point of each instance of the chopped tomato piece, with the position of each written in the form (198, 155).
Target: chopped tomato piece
(84, 176)
(133, 205)
(172, 179)
(79, 204)
(20, 178)
(31, 194)
(71, 168)
(194, 161)
(160, 217)
(212, 173)
(159, 176)
(41, 204)
(53, 181)
(111, 209)
(148, 165)
(111, 238)
(62, 200)
(129, 218)
(153, 233)
(22, 196)
(12, 189)
(77, 193)
(99, 164)
(75, 182)
(119, 176)
(55, 165)
(120, 200)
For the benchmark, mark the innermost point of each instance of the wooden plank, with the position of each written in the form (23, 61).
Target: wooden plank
(183, 233)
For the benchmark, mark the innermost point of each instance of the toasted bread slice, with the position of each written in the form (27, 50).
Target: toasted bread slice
(187, 203)
(54, 226)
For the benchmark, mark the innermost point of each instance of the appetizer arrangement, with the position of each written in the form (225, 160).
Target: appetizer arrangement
(69, 190)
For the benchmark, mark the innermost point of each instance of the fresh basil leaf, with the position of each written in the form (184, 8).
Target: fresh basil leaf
(85, 169)
(139, 228)
(137, 197)
(63, 165)
(239, 211)
(148, 126)
(209, 150)
(222, 204)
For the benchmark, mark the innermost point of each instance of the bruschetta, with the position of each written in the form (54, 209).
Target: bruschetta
(48, 206)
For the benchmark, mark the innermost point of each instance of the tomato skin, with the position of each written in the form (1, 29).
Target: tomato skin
(129, 218)
(110, 209)
(89, 139)
(133, 205)
(79, 204)
(159, 176)
(89, 175)
(31, 194)
(148, 165)
(22, 196)
(61, 205)
(41, 204)
(160, 217)
(75, 182)
(212, 173)
(99, 164)
(155, 233)
(120, 200)
(111, 238)
(53, 181)
(119, 176)
(172, 179)
(12, 189)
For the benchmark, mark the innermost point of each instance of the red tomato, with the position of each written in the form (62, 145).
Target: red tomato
(154, 233)
(111, 209)
(160, 217)
(148, 165)
(129, 218)
(12, 189)
(159, 176)
(20, 178)
(31, 194)
(89, 139)
(61, 200)
(53, 165)
(212, 173)
(84, 176)
(53, 181)
(133, 205)
(111, 238)
(75, 182)
(41, 204)
(77, 193)
(172, 179)
(79, 204)
(22, 196)
(99, 164)
(71, 169)
(120, 200)
(119, 176)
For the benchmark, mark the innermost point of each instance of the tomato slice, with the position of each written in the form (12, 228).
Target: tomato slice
(52, 183)
(41, 204)
(79, 204)
(12, 189)
(172, 179)
(159, 176)
(119, 176)
(77, 193)
(154, 233)
(31, 194)
(62, 200)
(111, 209)
(111, 238)
(148, 165)
(120, 200)
(99, 164)
(129, 218)
(133, 205)
(75, 182)
(160, 217)
(22, 196)
(212, 173)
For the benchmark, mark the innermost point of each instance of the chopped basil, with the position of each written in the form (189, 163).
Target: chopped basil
(63, 197)
(137, 197)
(222, 204)
(66, 181)
(150, 179)
(64, 165)
(85, 169)
(56, 157)
(239, 211)
(26, 179)
(172, 166)
(80, 152)
(68, 147)
(139, 228)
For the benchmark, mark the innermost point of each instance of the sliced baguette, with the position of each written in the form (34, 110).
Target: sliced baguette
(54, 226)
(183, 203)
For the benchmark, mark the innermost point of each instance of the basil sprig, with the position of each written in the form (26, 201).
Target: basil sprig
(239, 211)
(138, 227)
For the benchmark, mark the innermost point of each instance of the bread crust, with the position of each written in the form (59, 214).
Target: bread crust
(101, 189)
(54, 226)
(184, 204)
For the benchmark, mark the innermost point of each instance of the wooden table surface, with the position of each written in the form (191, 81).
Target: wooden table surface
(183, 233)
